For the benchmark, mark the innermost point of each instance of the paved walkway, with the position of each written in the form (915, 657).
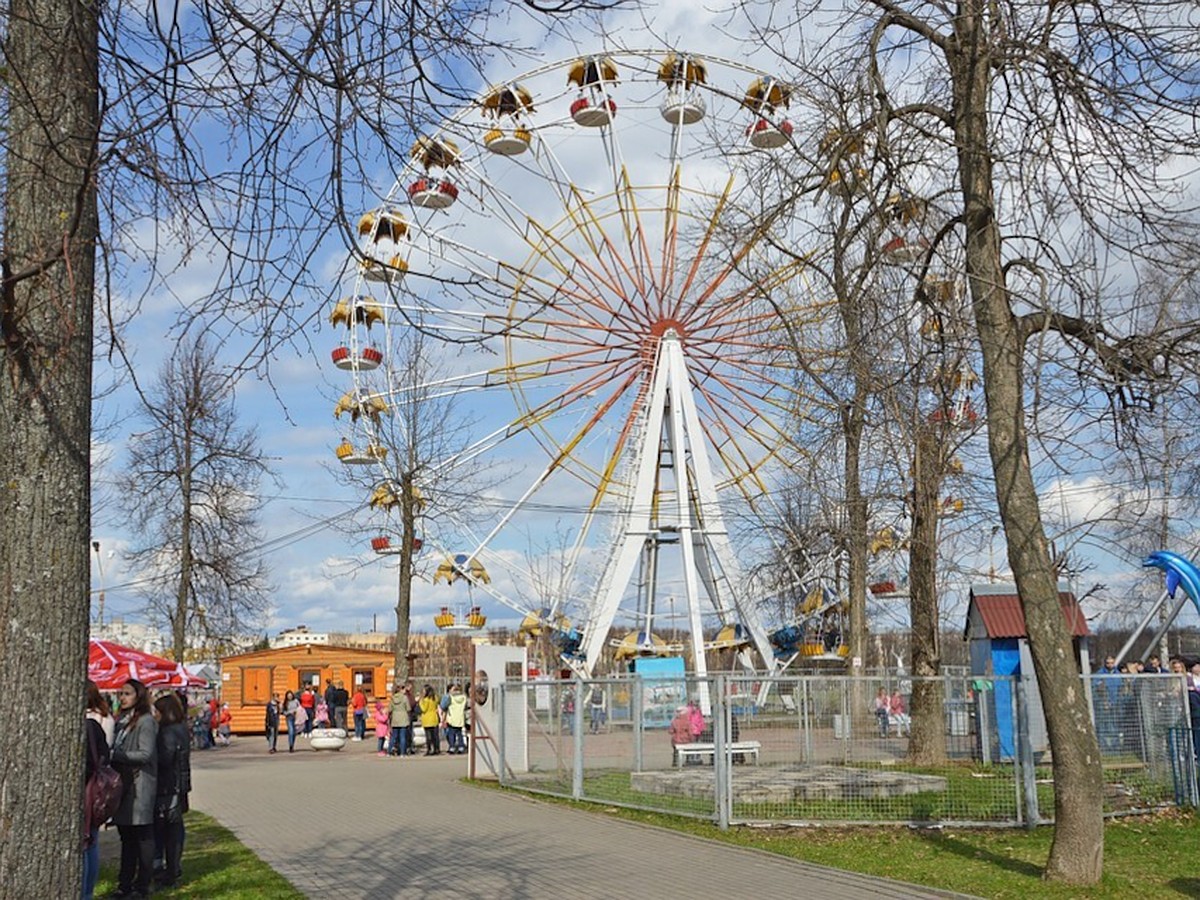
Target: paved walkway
(350, 824)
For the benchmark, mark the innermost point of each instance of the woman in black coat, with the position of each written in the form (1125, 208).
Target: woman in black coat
(174, 784)
(135, 756)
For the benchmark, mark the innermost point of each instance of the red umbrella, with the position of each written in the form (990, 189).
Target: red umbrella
(110, 665)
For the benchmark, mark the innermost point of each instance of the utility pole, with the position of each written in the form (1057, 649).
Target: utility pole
(100, 592)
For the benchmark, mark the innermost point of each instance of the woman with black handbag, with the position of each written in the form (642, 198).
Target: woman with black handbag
(99, 723)
(174, 784)
(135, 756)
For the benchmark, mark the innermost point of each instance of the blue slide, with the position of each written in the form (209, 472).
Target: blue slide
(1180, 571)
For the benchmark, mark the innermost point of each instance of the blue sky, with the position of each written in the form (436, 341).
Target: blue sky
(316, 536)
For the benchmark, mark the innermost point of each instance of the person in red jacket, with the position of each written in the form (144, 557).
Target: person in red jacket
(308, 700)
(358, 703)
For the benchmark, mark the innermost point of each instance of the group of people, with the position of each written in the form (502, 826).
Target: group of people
(1117, 711)
(393, 719)
(1152, 666)
(890, 710)
(149, 745)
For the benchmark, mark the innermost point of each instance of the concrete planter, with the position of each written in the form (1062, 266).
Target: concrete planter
(327, 738)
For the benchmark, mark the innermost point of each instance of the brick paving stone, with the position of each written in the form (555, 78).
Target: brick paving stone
(353, 825)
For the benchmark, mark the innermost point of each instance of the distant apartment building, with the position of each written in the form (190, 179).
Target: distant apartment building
(135, 635)
(298, 636)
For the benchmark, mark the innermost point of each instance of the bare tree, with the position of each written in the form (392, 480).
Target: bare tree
(1047, 126)
(105, 112)
(191, 491)
(431, 476)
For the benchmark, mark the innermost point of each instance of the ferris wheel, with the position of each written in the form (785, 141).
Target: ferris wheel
(596, 253)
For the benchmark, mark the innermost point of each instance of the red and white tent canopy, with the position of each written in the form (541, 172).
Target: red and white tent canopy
(111, 665)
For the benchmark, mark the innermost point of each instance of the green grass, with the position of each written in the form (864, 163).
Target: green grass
(216, 864)
(1145, 856)
(973, 794)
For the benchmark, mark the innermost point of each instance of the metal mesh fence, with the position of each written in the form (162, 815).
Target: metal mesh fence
(952, 750)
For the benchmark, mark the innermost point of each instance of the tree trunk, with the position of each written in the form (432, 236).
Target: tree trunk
(408, 535)
(927, 745)
(857, 511)
(50, 233)
(1077, 853)
(183, 592)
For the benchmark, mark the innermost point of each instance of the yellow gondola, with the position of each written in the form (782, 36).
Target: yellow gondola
(636, 644)
(507, 100)
(435, 153)
(591, 71)
(363, 310)
(884, 539)
(458, 567)
(838, 144)
(385, 226)
(370, 407)
(731, 635)
(534, 625)
(765, 95)
(384, 497)
(686, 71)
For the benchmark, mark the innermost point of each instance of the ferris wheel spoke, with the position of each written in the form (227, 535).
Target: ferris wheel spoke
(638, 245)
(539, 237)
(670, 239)
(755, 292)
(752, 404)
(630, 271)
(714, 225)
(704, 298)
(510, 278)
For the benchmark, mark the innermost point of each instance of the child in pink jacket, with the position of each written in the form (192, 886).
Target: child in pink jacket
(382, 725)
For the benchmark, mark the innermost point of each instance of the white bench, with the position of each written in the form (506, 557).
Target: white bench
(701, 752)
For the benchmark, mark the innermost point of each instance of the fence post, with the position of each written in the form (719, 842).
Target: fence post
(722, 790)
(501, 747)
(806, 721)
(1025, 753)
(635, 712)
(577, 738)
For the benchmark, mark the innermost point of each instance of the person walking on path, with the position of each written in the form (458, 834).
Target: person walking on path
(380, 715)
(359, 704)
(291, 707)
(174, 785)
(135, 756)
(431, 720)
(272, 722)
(456, 721)
(308, 702)
(400, 719)
(597, 709)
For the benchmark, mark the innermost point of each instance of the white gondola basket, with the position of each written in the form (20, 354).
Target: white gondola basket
(682, 107)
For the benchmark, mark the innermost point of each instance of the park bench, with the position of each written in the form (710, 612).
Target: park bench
(706, 751)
